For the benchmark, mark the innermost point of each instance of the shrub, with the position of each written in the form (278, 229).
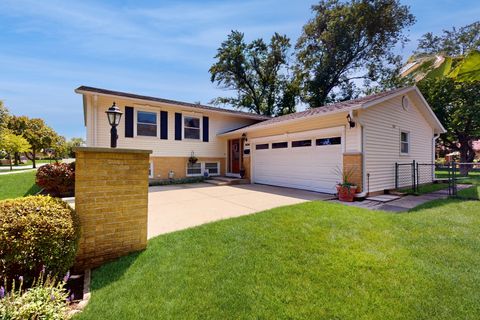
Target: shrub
(46, 299)
(176, 181)
(37, 232)
(58, 179)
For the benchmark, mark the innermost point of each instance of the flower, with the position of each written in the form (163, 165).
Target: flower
(67, 276)
(20, 278)
(2, 292)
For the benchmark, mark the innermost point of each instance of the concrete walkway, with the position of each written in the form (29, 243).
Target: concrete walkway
(404, 203)
(177, 207)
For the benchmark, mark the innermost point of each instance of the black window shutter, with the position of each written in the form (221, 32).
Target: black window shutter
(164, 125)
(205, 129)
(129, 122)
(178, 126)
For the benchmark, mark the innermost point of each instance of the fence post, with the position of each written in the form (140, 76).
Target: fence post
(396, 175)
(413, 176)
(454, 178)
(418, 178)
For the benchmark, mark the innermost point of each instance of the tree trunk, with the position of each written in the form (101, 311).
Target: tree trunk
(34, 165)
(10, 160)
(467, 155)
(17, 158)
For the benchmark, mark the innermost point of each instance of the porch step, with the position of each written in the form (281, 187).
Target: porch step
(226, 181)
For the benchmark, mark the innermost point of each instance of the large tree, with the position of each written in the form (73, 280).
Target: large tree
(38, 134)
(4, 114)
(348, 42)
(257, 72)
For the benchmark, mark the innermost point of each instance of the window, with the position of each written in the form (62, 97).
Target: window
(191, 127)
(150, 170)
(261, 146)
(212, 168)
(328, 141)
(194, 169)
(279, 145)
(301, 143)
(146, 124)
(404, 142)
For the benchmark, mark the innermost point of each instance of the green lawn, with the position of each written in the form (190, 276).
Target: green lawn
(29, 163)
(315, 260)
(473, 178)
(426, 188)
(18, 185)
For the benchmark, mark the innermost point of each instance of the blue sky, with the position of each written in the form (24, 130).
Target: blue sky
(158, 48)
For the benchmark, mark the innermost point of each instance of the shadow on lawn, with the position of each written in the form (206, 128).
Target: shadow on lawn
(439, 203)
(114, 270)
(34, 189)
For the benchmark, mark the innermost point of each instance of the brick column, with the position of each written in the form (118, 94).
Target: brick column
(353, 161)
(111, 199)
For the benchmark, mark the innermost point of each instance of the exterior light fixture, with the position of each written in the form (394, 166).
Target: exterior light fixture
(244, 137)
(114, 115)
(350, 121)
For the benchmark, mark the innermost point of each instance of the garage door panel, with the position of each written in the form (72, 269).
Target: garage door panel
(311, 168)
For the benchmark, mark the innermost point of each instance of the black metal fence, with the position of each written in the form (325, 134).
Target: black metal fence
(463, 173)
(411, 175)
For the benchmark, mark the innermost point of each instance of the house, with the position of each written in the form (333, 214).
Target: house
(304, 150)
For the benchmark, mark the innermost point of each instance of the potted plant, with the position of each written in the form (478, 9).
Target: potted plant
(192, 159)
(242, 172)
(346, 189)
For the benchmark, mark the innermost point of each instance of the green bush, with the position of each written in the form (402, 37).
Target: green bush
(57, 179)
(46, 299)
(37, 232)
(176, 181)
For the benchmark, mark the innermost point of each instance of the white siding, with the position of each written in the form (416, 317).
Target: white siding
(383, 124)
(172, 148)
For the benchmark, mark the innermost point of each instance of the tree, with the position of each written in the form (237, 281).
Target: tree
(446, 69)
(12, 143)
(457, 106)
(347, 42)
(38, 134)
(4, 114)
(73, 143)
(258, 72)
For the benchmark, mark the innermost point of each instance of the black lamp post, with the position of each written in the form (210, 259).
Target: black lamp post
(114, 115)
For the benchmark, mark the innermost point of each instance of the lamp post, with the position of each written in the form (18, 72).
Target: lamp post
(114, 115)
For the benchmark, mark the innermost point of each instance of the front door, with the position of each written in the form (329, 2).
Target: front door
(234, 155)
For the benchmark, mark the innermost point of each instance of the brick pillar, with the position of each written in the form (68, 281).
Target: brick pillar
(111, 199)
(246, 165)
(353, 162)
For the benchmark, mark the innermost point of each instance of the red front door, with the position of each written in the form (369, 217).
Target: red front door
(234, 155)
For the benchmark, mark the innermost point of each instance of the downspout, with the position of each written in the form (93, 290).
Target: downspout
(434, 144)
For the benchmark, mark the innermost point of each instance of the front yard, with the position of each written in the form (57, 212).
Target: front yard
(16, 185)
(315, 260)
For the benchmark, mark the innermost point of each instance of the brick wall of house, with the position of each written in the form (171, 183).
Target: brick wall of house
(353, 162)
(163, 165)
(111, 199)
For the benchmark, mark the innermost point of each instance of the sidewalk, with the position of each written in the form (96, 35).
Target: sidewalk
(401, 204)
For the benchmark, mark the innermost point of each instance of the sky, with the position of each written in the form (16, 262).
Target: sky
(158, 48)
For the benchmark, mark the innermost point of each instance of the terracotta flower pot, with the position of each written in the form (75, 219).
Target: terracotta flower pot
(346, 193)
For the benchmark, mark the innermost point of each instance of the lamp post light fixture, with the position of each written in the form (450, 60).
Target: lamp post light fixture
(114, 115)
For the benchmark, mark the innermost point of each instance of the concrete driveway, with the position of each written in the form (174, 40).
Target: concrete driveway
(177, 207)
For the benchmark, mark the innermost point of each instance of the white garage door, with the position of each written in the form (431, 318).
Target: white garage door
(304, 161)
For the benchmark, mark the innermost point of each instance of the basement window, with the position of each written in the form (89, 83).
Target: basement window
(194, 169)
(213, 168)
(404, 142)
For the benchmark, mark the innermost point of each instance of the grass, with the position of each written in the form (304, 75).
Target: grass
(473, 178)
(426, 188)
(18, 185)
(29, 163)
(315, 260)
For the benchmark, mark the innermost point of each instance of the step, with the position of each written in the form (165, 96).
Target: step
(223, 181)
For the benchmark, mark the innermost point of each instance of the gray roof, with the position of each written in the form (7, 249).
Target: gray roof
(329, 108)
(250, 115)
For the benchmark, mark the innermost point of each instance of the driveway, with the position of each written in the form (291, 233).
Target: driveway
(177, 207)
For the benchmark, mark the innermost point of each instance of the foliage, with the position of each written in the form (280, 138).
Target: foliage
(58, 179)
(71, 144)
(4, 115)
(38, 134)
(36, 232)
(315, 260)
(345, 176)
(45, 299)
(453, 42)
(18, 185)
(258, 72)
(348, 41)
(11, 144)
(177, 181)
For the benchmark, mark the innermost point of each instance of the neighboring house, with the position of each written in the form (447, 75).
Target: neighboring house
(476, 148)
(301, 150)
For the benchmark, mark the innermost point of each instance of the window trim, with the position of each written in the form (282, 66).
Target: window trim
(203, 169)
(262, 144)
(329, 138)
(303, 140)
(408, 142)
(135, 121)
(280, 145)
(152, 172)
(200, 127)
